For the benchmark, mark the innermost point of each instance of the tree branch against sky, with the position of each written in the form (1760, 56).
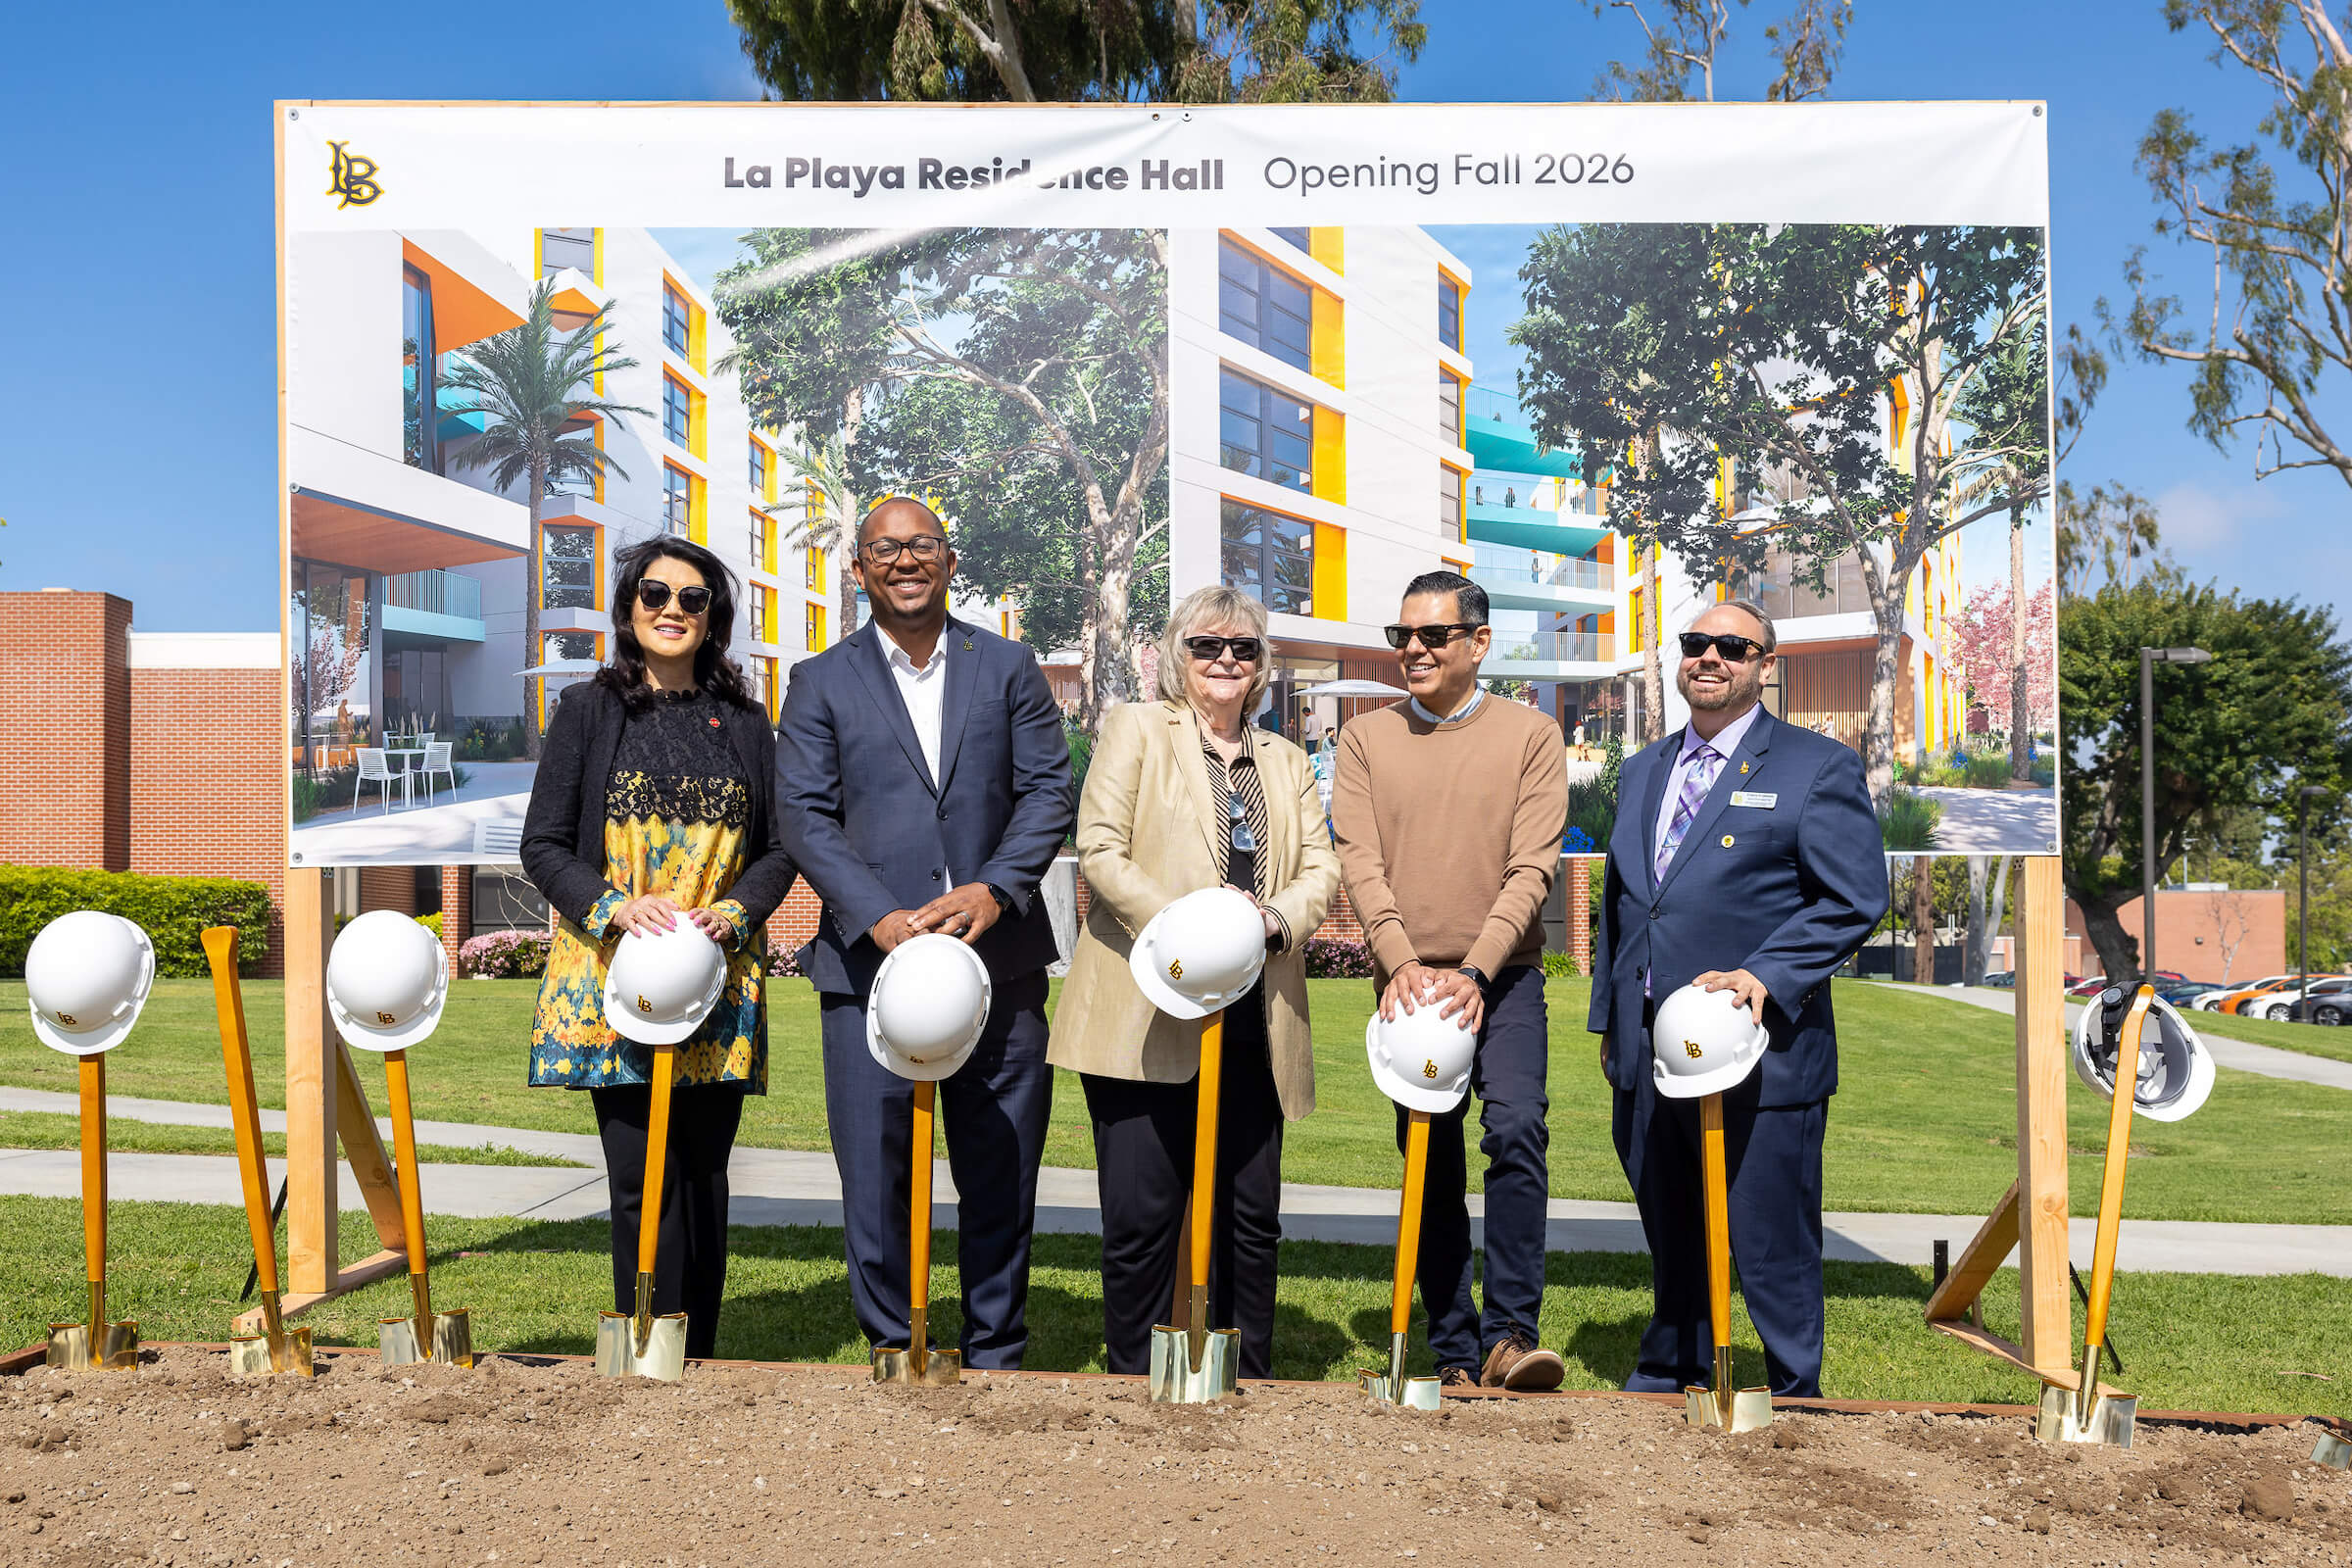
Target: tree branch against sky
(2270, 346)
(1683, 41)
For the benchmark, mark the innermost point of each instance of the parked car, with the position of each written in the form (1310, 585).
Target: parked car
(2332, 1008)
(2087, 988)
(2187, 993)
(2250, 1003)
(2006, 980)
(2219, 1001)
(2287, 1005)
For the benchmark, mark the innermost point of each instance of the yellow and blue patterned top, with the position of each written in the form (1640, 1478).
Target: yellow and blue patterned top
(677, 819)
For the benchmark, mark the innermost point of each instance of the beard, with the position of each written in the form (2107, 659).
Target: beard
(1746, 685)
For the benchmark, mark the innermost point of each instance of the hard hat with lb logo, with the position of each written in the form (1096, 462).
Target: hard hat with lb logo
(660, 987)
(928, 1007)
(1201, 953)
(2175, 1071)
(87, 975)
(1703, 1043)
(386, 981)
(1419, 1059)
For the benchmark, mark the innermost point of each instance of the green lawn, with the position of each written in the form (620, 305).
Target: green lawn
(2313, 1040)
(2190, 1342)
(1926, 1122)
(42, 1129)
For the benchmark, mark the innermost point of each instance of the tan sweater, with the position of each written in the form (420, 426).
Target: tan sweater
(1449, 837)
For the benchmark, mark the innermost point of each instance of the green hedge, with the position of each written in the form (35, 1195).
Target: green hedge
(172, 910)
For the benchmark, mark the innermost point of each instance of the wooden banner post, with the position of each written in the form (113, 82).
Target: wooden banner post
(2032, 1215)
(326, 1108)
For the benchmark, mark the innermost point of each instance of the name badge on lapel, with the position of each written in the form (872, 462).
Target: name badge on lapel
(1761, 799)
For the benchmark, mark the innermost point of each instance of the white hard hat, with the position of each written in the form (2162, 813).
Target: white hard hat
(660, 987)
(87, 975)
(1419, 1059)
(386, 981)
(928, 1007)
(1703, 1043)
(2175, 1071)
(1200, 953)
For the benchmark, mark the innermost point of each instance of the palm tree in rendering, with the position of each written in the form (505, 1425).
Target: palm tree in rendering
(825, 514)
(533, 387)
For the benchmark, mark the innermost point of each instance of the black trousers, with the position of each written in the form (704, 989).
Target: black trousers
(690, 1266)
(1144, 1166)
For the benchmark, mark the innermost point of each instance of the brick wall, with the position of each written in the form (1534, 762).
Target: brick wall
(65, 730)
(457, 909)
(207, 780)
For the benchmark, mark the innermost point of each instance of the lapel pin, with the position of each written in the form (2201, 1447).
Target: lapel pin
(1727, 841)
(967, 645)
(1743, 767)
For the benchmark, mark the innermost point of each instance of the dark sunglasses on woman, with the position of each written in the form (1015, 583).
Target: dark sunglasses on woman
(1209, 650)
(1735, 649)
(654, 596)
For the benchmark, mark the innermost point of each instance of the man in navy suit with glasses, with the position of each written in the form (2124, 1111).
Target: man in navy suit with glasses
(923, 785)
(1745, 857)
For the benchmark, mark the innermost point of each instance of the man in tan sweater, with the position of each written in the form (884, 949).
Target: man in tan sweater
(1448, 808)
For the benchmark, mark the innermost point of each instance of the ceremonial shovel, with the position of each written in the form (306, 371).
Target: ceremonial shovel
(1392, 1387)
(1193, 1365)
(428, 1335)
(274, 1349)
(639, 1344)
(1723, 1405)
(2083, 1413)
(97, 1344)
(916, 1361)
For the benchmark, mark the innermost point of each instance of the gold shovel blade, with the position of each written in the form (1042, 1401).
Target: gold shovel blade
(254, 1356)
(661, 1354)
(1418, 1394)
(2333, 1451)
(398, 1343)
(1750, 1409)
(939, 1369)
(1174, 1378)
(70, 1350)
(2110, 1420)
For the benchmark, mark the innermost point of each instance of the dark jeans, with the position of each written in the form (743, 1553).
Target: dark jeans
(1772, 1158)
(1508, 1076)
(690, 1263)
(1143, 1168)
(994, 1112)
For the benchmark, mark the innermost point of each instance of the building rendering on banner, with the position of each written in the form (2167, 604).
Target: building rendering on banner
(1353, 449)
(409, 564)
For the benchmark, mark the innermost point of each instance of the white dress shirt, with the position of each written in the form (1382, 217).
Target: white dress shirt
(1726, 742)
(924, 692)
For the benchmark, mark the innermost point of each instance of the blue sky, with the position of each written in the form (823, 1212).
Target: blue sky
(137, 448)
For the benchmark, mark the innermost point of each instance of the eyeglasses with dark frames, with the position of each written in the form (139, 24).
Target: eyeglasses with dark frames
(1432, 637)
(882, 551)
(654, 594)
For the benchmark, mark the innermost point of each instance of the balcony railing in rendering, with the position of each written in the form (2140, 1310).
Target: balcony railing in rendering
(1542, 567)
(437, 593)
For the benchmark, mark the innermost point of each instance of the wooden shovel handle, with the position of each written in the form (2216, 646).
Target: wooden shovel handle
(1204, 1143)
(918, 1217)
(244, 1104)
(93, 1167)
(403, 1152)
(1719, 1218)
(2111, 1177)
(656, 1160)
(1409, 1221)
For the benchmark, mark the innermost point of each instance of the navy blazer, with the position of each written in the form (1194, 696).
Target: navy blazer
(1786, 892)
(866, 824)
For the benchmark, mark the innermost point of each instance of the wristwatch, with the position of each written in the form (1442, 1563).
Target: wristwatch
(1477, 975)
(1003, 898)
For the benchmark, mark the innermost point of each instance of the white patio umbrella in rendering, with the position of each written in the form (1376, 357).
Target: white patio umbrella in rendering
(563, 667)
(1351, 688)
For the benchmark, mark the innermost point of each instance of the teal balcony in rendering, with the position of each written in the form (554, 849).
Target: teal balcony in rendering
(1524, 527)
(1535, 579)
(1500, 435)
(1551, 656)
(447, 605)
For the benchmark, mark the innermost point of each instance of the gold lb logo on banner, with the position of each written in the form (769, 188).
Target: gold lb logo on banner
(1691, 1049)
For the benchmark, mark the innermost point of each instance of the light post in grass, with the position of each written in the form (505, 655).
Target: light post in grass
(2303, 800)
(2150, 659)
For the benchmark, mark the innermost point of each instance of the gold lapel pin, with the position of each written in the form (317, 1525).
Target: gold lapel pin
(1743, 767)
(1727, 841)
(967, 647)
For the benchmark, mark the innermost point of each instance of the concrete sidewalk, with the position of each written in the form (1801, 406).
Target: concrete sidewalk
(790, 1187)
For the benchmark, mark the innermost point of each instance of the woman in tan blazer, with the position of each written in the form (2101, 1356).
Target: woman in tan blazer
(1184, 794)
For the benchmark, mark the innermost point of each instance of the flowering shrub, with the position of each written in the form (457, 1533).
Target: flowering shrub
(503, 955)
(1331, 959)
(1576, 841)
(784, 964)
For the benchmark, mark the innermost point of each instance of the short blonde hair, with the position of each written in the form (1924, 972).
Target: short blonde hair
(1213, 605)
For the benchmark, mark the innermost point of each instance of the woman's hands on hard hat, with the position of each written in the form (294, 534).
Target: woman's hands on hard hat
(649, 916)
(1749, 989)
(713, 924)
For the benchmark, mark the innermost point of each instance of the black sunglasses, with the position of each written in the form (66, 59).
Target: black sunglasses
(1207, 650)
(654, 596)
(1432, 638)
(1735, 649)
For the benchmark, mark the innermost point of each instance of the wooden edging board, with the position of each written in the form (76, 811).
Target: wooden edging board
(18, 1362)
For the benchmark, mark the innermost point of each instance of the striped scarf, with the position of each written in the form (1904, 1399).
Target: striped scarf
(1221, 789)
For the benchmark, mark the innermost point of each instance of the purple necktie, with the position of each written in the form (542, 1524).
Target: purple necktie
(1696, 782)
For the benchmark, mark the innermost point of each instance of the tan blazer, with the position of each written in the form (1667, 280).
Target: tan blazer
(1146, 837)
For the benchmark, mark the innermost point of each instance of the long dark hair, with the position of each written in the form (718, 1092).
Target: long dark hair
(713, 671)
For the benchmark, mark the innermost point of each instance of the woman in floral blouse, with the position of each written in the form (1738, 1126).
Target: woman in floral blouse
(655, 803)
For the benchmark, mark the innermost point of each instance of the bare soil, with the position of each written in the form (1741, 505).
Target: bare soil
(521, 1463)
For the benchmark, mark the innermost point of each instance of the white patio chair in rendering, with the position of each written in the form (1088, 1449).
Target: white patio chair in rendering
(436, 760)
(374, 770)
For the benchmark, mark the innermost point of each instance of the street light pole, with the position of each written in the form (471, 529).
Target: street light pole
(2150, 659)
(2303, 798)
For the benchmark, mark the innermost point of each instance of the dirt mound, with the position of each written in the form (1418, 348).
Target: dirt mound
(515, 1463)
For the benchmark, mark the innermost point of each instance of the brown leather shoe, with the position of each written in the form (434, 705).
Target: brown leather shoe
(1455, 1376)
(1522, 1367)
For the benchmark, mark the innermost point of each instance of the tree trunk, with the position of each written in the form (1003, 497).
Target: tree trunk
(1104, 631)
(1654, 674)
(1975, 952)
(852, 416)
(533, 575)
(2021, 719)
(1923, 921)
(2117, 949)
(1878, 731)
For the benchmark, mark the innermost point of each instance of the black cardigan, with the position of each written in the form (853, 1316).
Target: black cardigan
(563, 831)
